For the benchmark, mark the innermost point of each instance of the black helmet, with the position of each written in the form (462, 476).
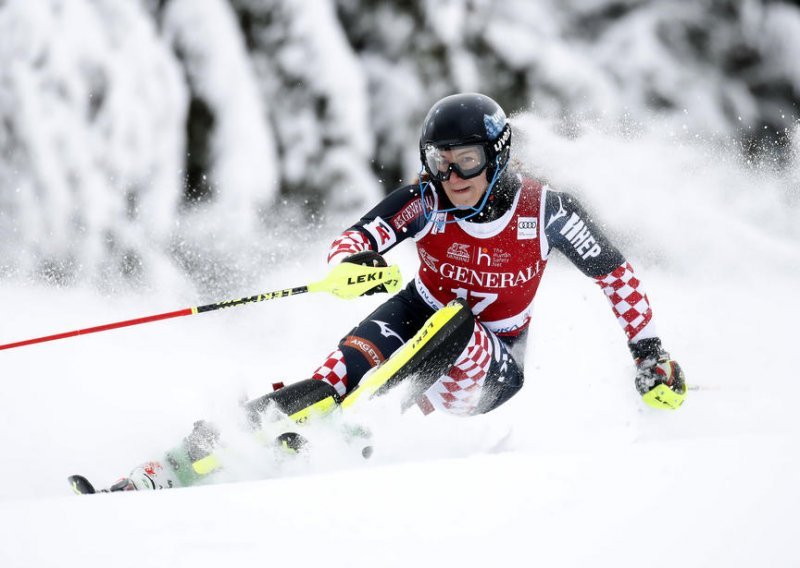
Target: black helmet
(463, 120)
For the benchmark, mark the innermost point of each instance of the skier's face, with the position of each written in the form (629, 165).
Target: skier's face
(465, 193)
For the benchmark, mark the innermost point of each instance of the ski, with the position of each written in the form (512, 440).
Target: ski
(186, 472)
(80, 485)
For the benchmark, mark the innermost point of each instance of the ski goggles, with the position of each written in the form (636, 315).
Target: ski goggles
(467, 161)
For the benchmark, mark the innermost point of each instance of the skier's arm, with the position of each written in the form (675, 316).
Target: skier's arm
(397, 217)
(570, 229)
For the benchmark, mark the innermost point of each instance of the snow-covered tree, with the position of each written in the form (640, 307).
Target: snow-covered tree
(193, 127)
(92, 107)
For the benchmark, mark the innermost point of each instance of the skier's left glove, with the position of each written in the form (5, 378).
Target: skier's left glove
(369, 258)
(659, 379)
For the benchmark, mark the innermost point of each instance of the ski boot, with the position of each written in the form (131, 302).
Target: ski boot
(175, 470)
(151, 475)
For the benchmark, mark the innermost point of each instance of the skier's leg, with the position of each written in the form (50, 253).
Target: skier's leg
(402, 339)
(374, 340)
(506, 374)
(421, 360)
(484, 375)
(177, 468)
(368, 344)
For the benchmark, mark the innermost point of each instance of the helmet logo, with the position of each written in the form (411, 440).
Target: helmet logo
(494, 123)
(502, 142)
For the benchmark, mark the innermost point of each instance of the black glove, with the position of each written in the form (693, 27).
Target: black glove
(369, 258)
(659, 379)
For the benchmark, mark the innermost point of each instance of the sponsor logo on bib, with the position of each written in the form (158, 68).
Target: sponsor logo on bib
(526, 228)
(458, 251)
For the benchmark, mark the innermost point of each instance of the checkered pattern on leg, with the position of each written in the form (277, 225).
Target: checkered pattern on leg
(459, 390)
(627, 298)
(349, 242)
(334, 372)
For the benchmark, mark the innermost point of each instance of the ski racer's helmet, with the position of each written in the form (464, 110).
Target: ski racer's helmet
(465, 119)
(477, 126)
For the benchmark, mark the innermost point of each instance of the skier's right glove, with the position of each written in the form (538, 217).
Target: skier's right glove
(369, 258)
(659, 379)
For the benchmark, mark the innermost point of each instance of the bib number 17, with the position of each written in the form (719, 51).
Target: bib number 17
(484, 299)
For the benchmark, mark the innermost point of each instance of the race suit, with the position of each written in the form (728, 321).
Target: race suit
(495, 265)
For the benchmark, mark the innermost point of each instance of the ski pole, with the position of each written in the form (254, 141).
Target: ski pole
(343, 281)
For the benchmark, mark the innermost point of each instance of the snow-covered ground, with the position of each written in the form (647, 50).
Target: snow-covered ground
(574, 471)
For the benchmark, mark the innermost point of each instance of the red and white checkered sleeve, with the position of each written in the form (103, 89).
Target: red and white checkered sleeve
(349, 242)
(629, 302)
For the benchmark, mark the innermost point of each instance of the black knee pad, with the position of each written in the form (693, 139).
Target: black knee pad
(296, 400)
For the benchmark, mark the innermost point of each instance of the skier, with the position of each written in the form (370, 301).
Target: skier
(484, 232)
